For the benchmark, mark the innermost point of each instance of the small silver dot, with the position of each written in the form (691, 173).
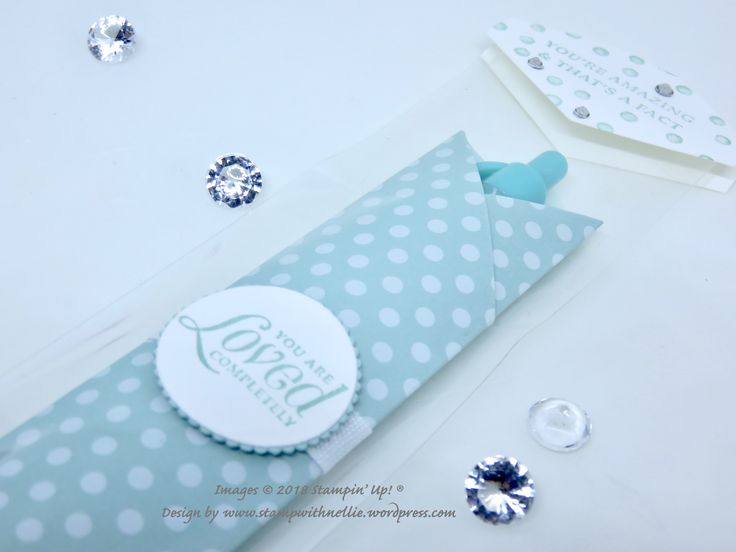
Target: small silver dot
(665, 90)
(581, 112)
(535, 63)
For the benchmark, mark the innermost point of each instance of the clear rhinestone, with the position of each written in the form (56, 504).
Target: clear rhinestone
(499, 489)
(111, 39)
(233, 180)
(559, 425)
(535, 63)
(581, 112)
(665, 90)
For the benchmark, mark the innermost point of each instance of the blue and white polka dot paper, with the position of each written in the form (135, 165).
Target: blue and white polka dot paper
(415, 270)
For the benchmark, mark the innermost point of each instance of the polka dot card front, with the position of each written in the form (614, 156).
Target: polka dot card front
(414, 271)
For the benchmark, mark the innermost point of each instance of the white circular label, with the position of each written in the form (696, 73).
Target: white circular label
(265, 367)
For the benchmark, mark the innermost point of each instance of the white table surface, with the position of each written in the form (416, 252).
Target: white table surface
(103, 170)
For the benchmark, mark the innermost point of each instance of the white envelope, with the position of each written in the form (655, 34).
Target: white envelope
(622, 120)
(642, 257)
(499, 129)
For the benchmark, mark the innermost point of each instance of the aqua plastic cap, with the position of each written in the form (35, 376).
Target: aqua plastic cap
(551, 165)
(524, 181)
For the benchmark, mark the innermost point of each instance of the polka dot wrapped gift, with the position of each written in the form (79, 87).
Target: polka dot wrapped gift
(414, 271)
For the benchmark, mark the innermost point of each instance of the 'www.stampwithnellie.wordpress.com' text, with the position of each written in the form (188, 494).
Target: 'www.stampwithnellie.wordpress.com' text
(392, 511)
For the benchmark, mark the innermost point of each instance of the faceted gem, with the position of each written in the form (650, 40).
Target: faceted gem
(233, 180)
(499, 489)
(111, 39)
(559, 425)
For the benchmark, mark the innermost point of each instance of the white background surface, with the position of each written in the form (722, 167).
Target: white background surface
(103, 170)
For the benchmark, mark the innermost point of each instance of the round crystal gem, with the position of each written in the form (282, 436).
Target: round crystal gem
(111, 39)
(559, 425)
(499, 489)
(233, 180)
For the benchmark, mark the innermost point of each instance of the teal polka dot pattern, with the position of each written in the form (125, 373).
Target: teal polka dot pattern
(723, 140)
(684, 90)
(605, 127)
(717, 120)
(407, 254)
(415, 269)
(518, 230)
(636, 59)
(526, 39)
(582, 94)
(600, 51)
(630, 72)
(674, 138)
(96, 471)
(537, 27)
(522, 51)
(556, 81)
(556, 100)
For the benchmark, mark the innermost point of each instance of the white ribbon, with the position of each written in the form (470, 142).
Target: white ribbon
(330, 451)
